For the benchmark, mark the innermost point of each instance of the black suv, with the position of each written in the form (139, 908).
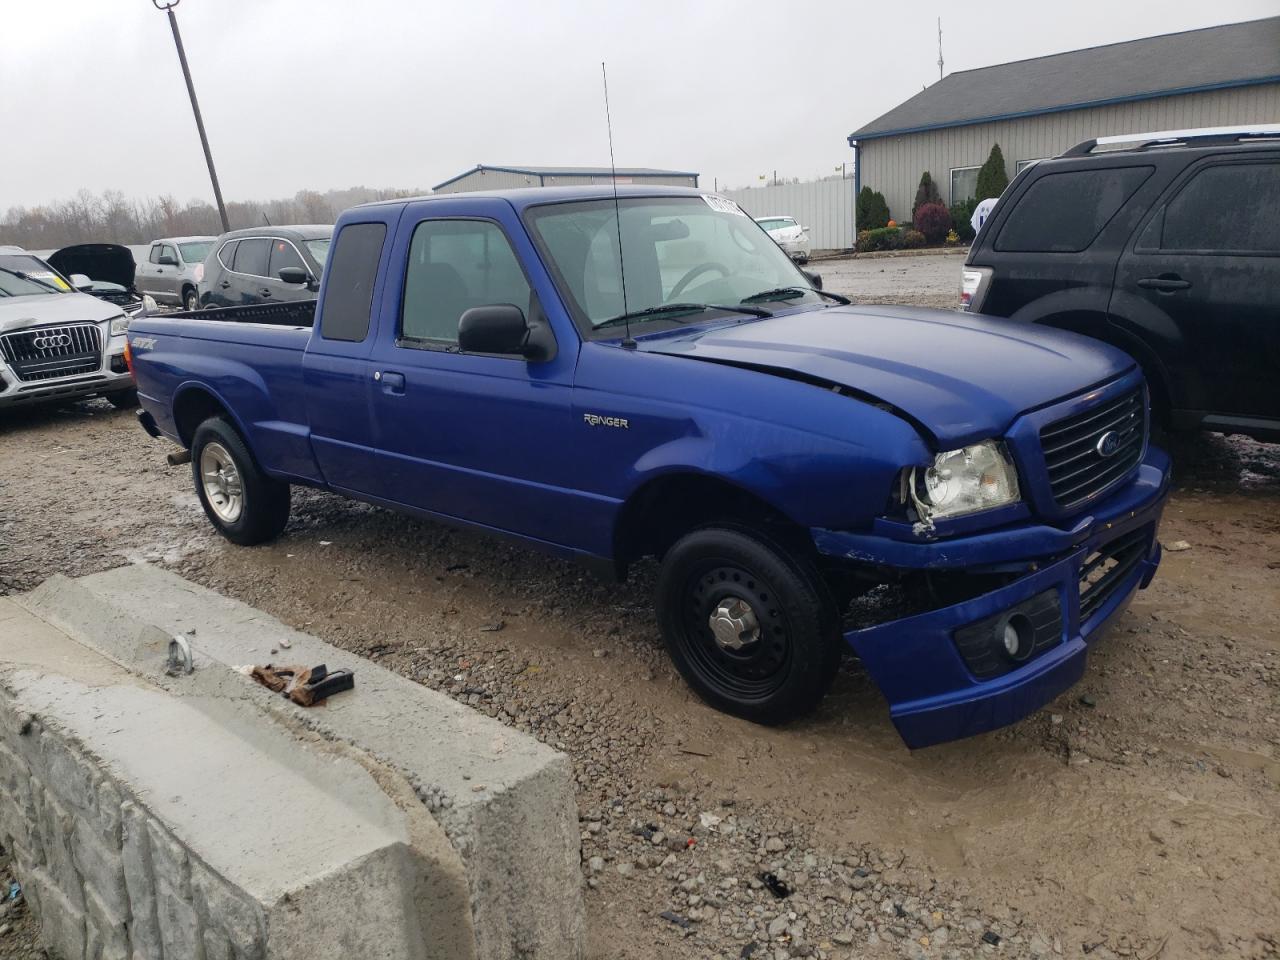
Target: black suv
(265, 265)
(1166, 245)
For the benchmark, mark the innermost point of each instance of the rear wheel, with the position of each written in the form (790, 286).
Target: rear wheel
(190, 300)
(244, 504)
(749, 625)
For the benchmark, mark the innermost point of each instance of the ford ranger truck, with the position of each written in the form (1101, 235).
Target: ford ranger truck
(966, 502)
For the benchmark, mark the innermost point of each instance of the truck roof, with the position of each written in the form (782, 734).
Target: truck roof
(530, 196)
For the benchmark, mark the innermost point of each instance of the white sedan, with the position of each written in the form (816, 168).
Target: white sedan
(789, 235)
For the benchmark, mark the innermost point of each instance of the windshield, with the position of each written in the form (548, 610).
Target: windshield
(24, 276)
(776, 223)
(195, 252)
(319, 249)
(675, 250)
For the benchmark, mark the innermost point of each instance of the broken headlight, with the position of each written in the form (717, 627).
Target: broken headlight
(974, 478)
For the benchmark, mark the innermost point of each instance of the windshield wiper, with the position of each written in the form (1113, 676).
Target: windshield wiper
(667, 308)
(788, 293)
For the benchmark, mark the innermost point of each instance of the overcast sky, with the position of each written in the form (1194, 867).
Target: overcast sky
(406, 93)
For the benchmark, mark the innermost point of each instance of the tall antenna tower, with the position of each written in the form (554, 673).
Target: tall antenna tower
(939, 48)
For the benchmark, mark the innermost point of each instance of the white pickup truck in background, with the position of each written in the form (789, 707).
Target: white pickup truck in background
(172, 270)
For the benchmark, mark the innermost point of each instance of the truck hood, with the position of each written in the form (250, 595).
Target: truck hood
(961, 377)
(21, 313)
(99, 261)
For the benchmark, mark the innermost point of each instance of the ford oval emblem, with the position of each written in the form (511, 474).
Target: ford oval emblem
(1108, 444)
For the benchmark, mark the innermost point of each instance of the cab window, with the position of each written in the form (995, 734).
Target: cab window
(455, 265)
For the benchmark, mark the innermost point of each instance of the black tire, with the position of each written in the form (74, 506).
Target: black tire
(784, 670)
(263, 502)
(190, 299)
(123, 399)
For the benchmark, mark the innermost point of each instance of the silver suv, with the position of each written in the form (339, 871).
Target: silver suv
(56, 343)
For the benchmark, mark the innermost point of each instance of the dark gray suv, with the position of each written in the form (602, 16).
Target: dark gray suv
(265, 265)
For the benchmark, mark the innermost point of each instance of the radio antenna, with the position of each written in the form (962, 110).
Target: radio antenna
(617, 214)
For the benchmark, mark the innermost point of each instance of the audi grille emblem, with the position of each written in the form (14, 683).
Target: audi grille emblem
(1108, 444)
(51, 341)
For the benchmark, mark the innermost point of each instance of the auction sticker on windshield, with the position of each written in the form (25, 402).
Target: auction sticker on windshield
(723, 204)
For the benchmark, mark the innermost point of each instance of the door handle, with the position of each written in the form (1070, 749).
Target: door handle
(1166, 283)
(392, 382)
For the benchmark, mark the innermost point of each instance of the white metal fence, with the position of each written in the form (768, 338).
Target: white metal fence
(824, 206)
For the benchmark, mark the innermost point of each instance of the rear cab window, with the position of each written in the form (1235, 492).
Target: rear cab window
(1065, 212)
(351, 273)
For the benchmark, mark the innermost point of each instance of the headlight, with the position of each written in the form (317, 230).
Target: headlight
(974, 478)
(119, 326)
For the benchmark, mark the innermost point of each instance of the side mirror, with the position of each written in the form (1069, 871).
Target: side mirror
(80, 281)
(494, 328)
(815, 279)
(167, 261)
(293, 275)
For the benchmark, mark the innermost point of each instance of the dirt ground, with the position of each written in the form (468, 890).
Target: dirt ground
(1138, 815)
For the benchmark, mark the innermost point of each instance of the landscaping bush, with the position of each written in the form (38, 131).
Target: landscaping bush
(927, 192)
(992, 179)
(871, 211)
(911, 239)
(933, 221)
(961, 215)
(881, 238)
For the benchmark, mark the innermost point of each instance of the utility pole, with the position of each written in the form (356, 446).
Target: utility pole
(939, 48)
(167, 7)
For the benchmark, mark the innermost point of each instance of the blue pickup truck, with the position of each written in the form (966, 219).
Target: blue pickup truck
(966, 502)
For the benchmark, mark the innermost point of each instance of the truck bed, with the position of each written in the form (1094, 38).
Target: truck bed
(291, 313)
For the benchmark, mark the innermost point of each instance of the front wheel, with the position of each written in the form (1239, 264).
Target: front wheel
(244, 504)
(749, 626)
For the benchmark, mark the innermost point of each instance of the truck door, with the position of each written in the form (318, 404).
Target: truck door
(1200, 279)
(478, 438)
(335, 366)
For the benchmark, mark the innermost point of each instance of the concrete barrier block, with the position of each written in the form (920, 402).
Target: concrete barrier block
(262, 824)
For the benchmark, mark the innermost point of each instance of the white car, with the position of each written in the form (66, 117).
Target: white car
(789, 235)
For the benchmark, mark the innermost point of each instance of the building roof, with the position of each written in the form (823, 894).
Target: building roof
(570, 172)
(1232, 55)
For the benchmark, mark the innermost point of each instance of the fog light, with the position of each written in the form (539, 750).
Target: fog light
(1017, 636)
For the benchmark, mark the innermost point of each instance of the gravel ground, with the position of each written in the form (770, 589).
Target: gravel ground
(1136, 816)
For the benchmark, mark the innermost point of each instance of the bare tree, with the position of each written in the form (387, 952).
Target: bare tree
(114, 218)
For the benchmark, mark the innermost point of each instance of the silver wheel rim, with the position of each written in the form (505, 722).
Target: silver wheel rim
(734, 624)
(223, 488)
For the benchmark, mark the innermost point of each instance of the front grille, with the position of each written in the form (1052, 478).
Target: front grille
(1078, 470)
(47, 353)
(983, 650)
(1107, 568)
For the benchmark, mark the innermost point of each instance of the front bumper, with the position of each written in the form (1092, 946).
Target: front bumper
(933, 692)
(111, 376)
(796, 249)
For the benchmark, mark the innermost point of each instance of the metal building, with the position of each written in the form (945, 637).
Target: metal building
(1218, 76)
(481, 177)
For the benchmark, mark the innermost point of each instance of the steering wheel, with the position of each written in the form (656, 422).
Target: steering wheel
(696, 272)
